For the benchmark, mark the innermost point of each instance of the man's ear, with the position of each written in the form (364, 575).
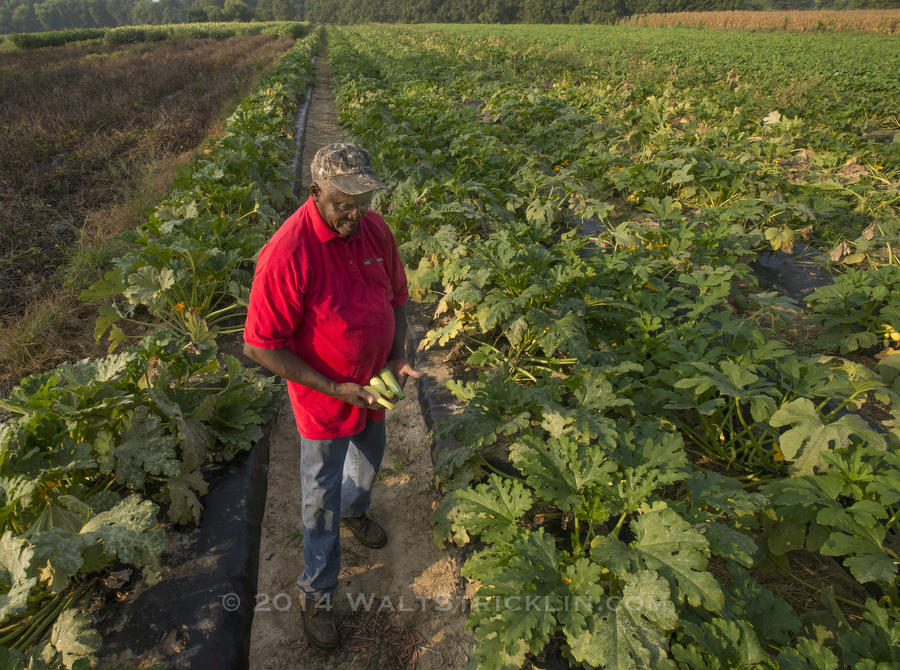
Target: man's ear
(315, 190)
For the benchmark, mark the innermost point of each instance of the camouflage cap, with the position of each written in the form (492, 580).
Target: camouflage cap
(347, 166)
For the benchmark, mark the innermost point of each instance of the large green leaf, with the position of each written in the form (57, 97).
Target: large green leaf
(807, 654)
(809, 436)
(866, 560)
(614, 554)
(724, 495)
(195, 439)
(440, 336)
(772, 618)
(92, 372)
(492, 510)
(733, 380)
(127, 532)
(875, 643)
(144, 447)
(59, 551)
(112, 285)
(731, 543)
(147, 283)
(667, 543)
(107, 317)
(798, 494)
(627, 632)
(183, 491)
(561, 331)
(514, 611)
(563, 470)
(650, 458)
(719, 643)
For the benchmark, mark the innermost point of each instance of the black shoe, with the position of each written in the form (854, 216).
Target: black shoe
(367, 531)
(318, 623)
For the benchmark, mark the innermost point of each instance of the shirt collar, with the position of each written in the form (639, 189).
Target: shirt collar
(322, 230)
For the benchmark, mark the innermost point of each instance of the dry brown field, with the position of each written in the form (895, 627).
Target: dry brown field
(850, 20)
(89, 136)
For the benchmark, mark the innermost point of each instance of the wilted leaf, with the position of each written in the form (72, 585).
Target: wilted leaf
(841, 250)
(74, 638)
(15, 561)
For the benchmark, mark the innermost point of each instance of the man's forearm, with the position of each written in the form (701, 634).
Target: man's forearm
(398, 349)
(288, 365)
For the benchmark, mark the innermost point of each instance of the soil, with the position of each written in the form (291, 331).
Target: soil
(92, 137)
(401, 606)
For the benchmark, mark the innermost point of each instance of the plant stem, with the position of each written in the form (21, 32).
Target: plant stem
(223, 310)
(490, 467)
(618, 527)
(48, 612)
(228, 331)
(12, 631)
(694, 435)
(711, 437)
(841, 406)
(51, 619)
(813, 587)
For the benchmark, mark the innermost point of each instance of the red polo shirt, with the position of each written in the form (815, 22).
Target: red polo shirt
(330, 300)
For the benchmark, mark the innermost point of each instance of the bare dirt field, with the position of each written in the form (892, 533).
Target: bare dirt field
(90, 137)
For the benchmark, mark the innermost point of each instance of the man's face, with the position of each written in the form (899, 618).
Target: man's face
(341, 211)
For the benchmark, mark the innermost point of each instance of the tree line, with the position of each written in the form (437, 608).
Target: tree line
(22, 16)
(37, 15)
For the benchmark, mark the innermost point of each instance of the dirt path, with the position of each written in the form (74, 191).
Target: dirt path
(406, 596)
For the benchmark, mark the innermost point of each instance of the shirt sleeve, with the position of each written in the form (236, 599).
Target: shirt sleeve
(276, 302)
(398, 274)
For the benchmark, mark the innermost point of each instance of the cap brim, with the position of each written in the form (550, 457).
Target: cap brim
(354, 184)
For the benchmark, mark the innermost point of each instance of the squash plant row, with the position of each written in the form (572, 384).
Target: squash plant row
(640, 440)
(92, 448)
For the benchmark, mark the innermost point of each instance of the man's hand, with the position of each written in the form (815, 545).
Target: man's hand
(402, 370)
(286, 364)
(356, 395)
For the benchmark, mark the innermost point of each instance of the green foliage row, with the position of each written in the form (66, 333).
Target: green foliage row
(605, 360)
(131, 34)
(54, 38)
(150, 33)
(93, 447)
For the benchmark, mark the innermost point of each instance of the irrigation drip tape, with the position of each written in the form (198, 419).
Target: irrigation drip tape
(302, 116)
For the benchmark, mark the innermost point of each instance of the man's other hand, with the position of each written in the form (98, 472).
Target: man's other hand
(403, 370)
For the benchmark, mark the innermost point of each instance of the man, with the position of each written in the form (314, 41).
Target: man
(327, 312)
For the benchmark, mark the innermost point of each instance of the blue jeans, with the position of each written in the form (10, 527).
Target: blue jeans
(336, 478)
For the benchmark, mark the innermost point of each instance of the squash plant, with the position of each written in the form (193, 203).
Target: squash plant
(93, 448)
(600, 360)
